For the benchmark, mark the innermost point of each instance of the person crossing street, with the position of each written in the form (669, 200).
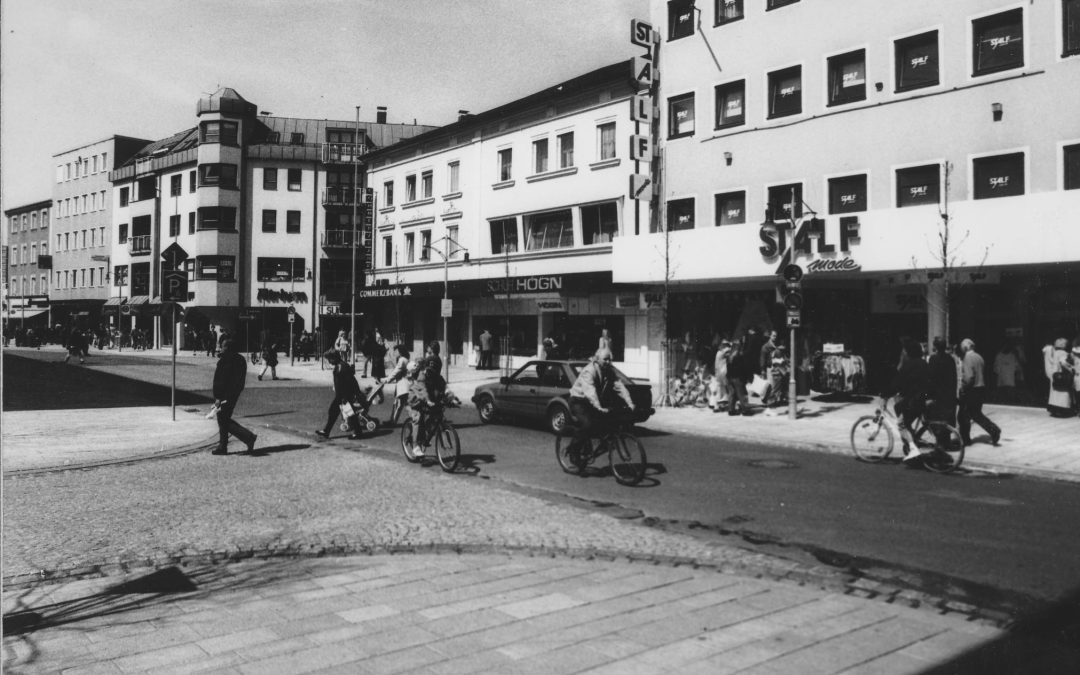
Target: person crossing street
(230, 376)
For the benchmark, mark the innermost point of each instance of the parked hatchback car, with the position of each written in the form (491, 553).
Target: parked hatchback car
(540, 391)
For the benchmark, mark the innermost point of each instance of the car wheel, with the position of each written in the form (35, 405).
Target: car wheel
(486, 408)
(558, 417)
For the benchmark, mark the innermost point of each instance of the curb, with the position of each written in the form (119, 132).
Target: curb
(84, 466)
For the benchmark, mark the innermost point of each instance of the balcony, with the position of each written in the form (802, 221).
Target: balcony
(342, 153)
(342, 239)
(139, 245)
(345, 195)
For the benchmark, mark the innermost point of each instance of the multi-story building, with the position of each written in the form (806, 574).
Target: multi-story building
(919, 160)
(28, 265)
(82, 218)
(510, 215)
(261, 207)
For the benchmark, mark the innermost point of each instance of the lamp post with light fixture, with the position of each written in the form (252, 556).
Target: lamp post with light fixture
(445, 255)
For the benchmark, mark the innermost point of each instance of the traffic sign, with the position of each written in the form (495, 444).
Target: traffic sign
(174, 286)
(174, 255)
(292, 311)
(447, 308)
(125, 309)
(794, 321)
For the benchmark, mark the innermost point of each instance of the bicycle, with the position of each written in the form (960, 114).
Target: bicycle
(874, 436)
(626, 454)
(438, 430)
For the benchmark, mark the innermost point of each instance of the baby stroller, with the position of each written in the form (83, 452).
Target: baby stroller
(362, 409)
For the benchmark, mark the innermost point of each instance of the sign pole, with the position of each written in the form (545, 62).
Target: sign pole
(174, 362)
(793, 390)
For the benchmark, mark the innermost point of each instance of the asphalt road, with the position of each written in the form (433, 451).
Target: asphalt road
(1002, 543)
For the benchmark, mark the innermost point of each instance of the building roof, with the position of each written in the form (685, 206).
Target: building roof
(225, 100)
(27, 208)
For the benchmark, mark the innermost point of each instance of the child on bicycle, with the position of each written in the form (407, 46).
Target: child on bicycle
(911, 387)
(594, 392)
(426, 392)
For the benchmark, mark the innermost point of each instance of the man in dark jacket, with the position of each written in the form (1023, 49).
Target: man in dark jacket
(230, 376)
(740, 371)
(944, 379)
(346, 390)
(911, 386)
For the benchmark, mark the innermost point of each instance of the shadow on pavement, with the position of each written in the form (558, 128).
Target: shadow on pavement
(53, 385)
(273, 449)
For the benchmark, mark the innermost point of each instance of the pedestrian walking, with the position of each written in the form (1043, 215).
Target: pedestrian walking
(943, 388)
(346, 392)
(378, 360)
(605, 340)
(485, 350)
(367, 348)
(270, 360)
(342, 345)
(973, 394)
(1061, 374)
(76, 345)
(230, 376)
(400, 377)
(740, 370)
(305, 346)
(721, 397)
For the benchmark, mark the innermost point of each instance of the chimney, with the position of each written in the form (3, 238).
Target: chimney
(462, 114)
(380, 115)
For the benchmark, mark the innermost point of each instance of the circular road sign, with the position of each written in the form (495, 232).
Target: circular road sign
(793, 274)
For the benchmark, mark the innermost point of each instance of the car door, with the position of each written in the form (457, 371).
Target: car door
(519, 395)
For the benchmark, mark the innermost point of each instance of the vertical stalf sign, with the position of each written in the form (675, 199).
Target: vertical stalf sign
(644, 65)
(641, 106)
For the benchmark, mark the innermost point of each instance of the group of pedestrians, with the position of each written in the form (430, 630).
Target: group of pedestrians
(738, 364)
(1062, 368)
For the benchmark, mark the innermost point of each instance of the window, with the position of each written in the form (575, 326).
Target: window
(269, 178)
(599, 223)
(540, 155)
(917, 185)
(296, 178)
(104, 164)
(122, 232)
(425, 246)
(774, 4)
(388, 193)
(120, 275)
(731, 208)
(506, 162)
(296, 139)
(174, 226)
(176, 185)
(388, 252)
(605, 138)
(219, 175)
(917, 61)
(998, 42)
(1072, 167)
(680, 18)
(566, 149)
(681, 115)
(217, 218)
(452, 246)
(847, 194)
(554, 229)
(847, 78)
(785, 92)
(999, 176)
(731, 104)
(728, 11)
(426, 185)
(504, 237)
(680, 214)
(410, 188)
(223, 132)
(219, 267)
(1070, 27)
(269, 220)
(292, 222)
(780, 199)
(410, 248)
(191, 222)
(453, 177)
(281, 269)
(125, 196)
(192, 181)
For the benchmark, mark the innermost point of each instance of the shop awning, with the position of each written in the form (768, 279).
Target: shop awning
(16, 314)
(115, 301)
(139, 300)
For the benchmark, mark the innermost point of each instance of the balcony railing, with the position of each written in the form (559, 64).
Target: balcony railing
(345, 195)
(342, 153)
(341, 239)
(139, 245)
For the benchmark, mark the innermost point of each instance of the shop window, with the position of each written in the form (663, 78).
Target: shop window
(680, 19)
(1070, 27)
(540, 155)
(217, 218)
(504, 237)
(728, 11)
(506, 164)
(217, 175)
(847, 194)
(785, 92)
(566, 149)
(269, 178)
(998, 42)
(215, 267)
(269, 220)
(1072, 167)
(680, 214)
(599, 223)
(999, 176)
(847, 78)
(731, 208)
(176, 185)
(292, 222)
(780, 201)
(917, 185)
(731, 104)
(917, 61)
(554, 229)
(281, 269)
(605, 138)
(296, 180)
(681, 116)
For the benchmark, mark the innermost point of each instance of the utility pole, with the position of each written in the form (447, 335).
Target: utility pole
(355, 188)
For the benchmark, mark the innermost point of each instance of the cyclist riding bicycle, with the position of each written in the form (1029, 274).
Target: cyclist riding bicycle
(595, 392)
(425, 393)
(911, 387)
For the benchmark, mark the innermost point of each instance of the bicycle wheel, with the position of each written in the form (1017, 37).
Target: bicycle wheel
(571, 461)
(447, 446)
(871, 439)
(946, 448)
(408, 440)
(627, 457)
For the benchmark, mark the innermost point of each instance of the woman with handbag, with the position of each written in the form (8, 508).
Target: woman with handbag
(346, 392)
(1061, 373)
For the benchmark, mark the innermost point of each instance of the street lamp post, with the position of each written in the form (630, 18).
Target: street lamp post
(352, 242)
(446, 291)
(108, 272)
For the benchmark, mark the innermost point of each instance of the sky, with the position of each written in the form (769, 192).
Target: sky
(75, 72)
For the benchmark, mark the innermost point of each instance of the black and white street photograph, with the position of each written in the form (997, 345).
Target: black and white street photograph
(618, 337)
